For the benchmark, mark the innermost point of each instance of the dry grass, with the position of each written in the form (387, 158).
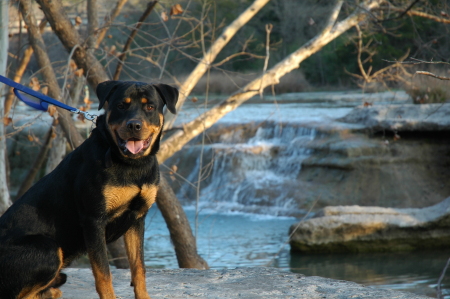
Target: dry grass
(425, 89)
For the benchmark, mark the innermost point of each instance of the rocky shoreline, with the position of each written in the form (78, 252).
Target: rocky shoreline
(227, 283)
(373, 229)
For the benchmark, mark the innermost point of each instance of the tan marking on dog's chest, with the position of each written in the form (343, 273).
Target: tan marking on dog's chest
(118, 198)
(148, 193)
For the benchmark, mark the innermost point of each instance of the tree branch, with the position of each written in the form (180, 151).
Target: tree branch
(432, 75)
(425, 15)
(70, 38)
(190, 130)
(403, 11)
(205, 63)
(130, 39)
(112, 16)
(21, 70)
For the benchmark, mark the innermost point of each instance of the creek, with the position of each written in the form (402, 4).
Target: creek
(235, 239)
(251, 191)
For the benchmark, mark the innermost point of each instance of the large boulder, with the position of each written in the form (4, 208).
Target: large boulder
(364, 229)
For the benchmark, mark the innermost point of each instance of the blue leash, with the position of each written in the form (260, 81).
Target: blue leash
(41, 101)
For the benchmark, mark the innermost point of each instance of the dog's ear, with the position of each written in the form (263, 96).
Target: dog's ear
(169, 95)
(104, 91)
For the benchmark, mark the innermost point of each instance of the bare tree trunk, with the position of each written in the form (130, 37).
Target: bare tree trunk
(192, 129)
(119, 254)
(5, 200)
(44, 62)
(180, 230)
(92, 11)
(56, 150)
(21, 70)
(208, 58)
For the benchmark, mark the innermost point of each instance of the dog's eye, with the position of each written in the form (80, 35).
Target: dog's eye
(121, 106)
(149, 108)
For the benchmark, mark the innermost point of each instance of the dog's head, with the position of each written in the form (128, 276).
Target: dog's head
(134, 114)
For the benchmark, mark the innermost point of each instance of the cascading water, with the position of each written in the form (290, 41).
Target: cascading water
(250, 172)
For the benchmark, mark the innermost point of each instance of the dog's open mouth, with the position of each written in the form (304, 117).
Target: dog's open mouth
(134, 145)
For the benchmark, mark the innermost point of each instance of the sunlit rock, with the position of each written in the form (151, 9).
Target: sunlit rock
(370, 229)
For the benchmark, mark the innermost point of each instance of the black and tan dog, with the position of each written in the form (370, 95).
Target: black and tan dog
(99, 192)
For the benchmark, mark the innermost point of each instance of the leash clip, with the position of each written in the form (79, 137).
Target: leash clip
(86, 115)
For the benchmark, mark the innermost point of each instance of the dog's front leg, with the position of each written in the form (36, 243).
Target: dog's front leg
(94, 236)
(135, 251)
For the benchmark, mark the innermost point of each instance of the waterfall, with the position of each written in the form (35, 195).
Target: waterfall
(248, 168)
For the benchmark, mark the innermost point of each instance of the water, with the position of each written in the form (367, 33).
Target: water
(416, 272)
(247, 200)
(248, 240)
(257, 172)
(224, 240)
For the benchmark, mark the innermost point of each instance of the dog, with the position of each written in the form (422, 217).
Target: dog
(98, 193)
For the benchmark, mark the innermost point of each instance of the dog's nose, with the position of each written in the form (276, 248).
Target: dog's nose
(134, 125)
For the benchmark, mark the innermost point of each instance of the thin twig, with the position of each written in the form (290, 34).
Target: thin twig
(269, 28)
(63, 89)
(294, 230)
(403, 13)
(133, 33)
(424, 15)
(360, 65)
(439, 292)
(200, 167)
(417, 61)
(431, 75)
(115, 12)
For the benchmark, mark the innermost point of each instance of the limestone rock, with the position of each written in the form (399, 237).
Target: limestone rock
(227, 283)
(406, 117)
(363, 229)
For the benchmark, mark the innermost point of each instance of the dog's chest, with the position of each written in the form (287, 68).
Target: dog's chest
(119, 199)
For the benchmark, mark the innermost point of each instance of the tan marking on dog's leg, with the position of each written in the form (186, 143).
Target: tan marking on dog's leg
(103, 283)
(133, 246)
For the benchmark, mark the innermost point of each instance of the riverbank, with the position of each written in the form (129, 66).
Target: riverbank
(227, 283)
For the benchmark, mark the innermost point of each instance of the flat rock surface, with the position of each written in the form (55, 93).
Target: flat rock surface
(405, 117)
(228, 283)
(363, 229)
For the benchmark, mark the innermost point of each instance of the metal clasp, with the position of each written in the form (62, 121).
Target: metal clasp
(86, 115)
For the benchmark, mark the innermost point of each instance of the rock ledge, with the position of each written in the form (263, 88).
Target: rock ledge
(227, 283)
(370, 229)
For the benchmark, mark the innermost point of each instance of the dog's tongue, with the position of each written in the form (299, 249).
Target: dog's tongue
(135, 145)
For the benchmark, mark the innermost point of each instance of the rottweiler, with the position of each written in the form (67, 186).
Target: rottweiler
(98, 193)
